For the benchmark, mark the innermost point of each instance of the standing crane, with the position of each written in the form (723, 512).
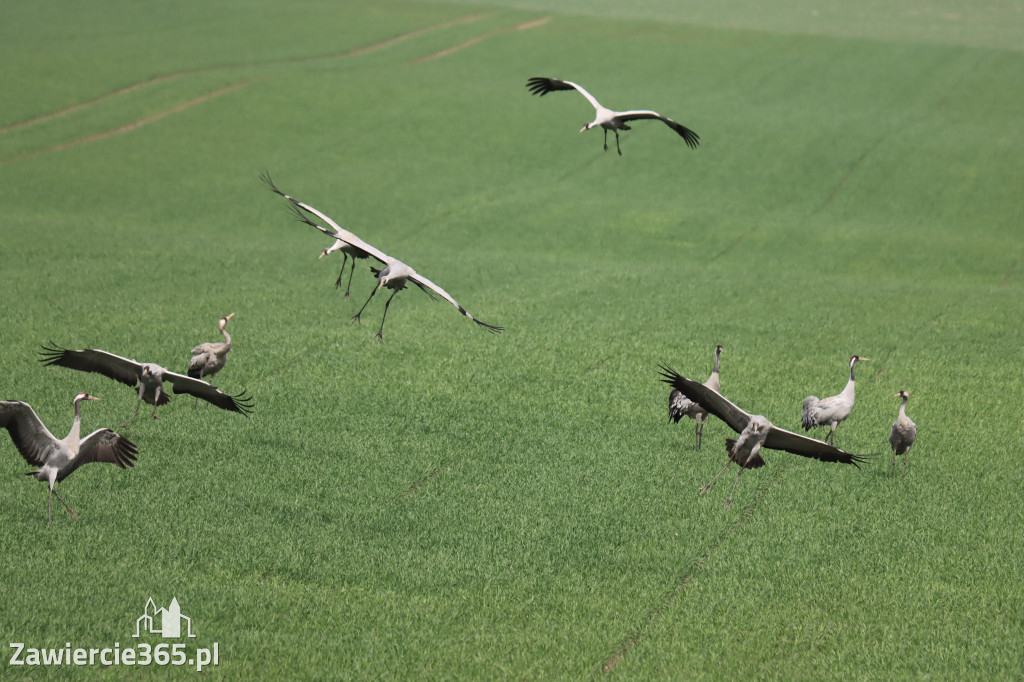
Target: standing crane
(210, 358)
(394, 275)
(833, 410)
(755, 432)
(58, 459)
(679, 405)
(902, 433)
(149, 377)
(347, 249)
(608, 119)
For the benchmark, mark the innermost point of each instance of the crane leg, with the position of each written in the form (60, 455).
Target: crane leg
(355, 318)
(617, 142)
(708, 486)
(380, 332)
(893, 472)
(606, 139)
(831, 438)
(142, 387)
(906, 460)
(337, 283)
(728, 503)
(70, 510)
(699, 431)
(156, 398)
(351, 272)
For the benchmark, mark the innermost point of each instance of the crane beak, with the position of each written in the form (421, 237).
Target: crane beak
(322, 254)
(229, 316)
(865, 359)
(91, 397)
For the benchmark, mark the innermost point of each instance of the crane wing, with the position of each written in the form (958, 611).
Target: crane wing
(542, 86)
(205, 391)
(102, 445)
(692, 139)
(31, 437)
(710, 400)
(338, 232)
(781, 439)
(91, 360)
(425, 284)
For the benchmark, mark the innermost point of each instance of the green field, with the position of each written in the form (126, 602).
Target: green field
(456, 504)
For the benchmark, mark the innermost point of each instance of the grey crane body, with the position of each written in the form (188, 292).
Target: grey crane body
(756, 432)
(148, 376)
(607, 118)
(833, 410)
(210, 358)
(59, 458)
(680, 406)
(903, 433)
(347, 251)
(394, 275)
(349, 247)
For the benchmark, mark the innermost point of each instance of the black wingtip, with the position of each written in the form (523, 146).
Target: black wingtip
(298, 214)
(265, 177)
(489, 327)
(50, 355)
(539, 86)
(243, 403)
(668, 374)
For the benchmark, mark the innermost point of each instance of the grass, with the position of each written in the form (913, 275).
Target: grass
(453, 504)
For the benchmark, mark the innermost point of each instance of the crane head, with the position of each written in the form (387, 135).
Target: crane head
(83, 396)
(323, 253)
(224, 320)
(902, 394)
(718, 349)
(759, 423)
(585, 127)
(857, 358)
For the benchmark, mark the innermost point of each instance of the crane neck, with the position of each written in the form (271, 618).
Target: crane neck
(717, 357)
(227, 337)
(903, 408)
(76, 426)
(849, 390)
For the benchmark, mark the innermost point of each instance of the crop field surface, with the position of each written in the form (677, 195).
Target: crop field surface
(454, 504)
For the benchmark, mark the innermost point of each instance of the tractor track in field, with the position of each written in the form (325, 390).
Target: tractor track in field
(483, 36)
(849, 172)
(467, 19)
(1010, 271)
(661, 608)
(89, 103)
(130, 126)
(209, 69)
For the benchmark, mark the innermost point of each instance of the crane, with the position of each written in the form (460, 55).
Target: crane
(679, 405)
(833, 410)
(210, 358)
(149, 377)
(755, 432)
(347, 249)
(394, 275)
(902, 433)
(58, 459)
(608, 119)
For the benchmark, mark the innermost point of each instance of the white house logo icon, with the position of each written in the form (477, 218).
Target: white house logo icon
(163, 622)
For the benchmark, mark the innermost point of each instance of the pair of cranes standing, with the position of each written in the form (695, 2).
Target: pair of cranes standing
(697, 401)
